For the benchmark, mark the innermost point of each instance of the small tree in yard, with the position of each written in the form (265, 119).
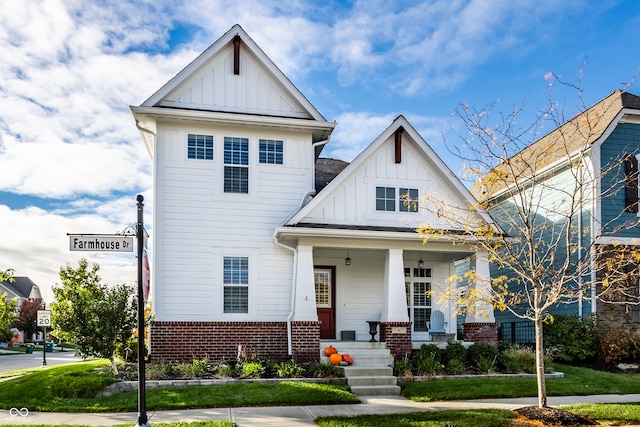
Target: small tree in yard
(7, 315)
(93, 316)
(27, 320)
(541, 195)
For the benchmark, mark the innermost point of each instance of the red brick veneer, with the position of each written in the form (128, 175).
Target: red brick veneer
(398, 343)
(481, 332)
(219, 341)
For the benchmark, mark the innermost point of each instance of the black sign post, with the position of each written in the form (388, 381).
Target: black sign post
(142, 398)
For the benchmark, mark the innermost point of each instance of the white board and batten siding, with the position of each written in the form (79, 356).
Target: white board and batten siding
(353, 201)
(199, 224)
(253, 91)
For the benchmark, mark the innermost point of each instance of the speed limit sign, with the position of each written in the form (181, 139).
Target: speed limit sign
(44, 318)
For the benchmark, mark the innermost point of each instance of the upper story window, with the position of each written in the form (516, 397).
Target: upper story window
(236, 284)
(200, 147)
(385, 199)
(270, 151)
(406, 201)
(236, 161)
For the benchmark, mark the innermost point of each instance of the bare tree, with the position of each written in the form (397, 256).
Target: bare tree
(545, 194)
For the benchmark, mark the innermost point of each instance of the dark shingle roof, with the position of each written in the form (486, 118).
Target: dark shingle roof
(21, 286)
(326, 170)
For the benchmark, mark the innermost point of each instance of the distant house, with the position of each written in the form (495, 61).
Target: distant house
(261, 244)
(597, 152)
(21, 289)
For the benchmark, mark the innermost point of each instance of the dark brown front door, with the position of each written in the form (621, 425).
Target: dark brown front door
(325, 300)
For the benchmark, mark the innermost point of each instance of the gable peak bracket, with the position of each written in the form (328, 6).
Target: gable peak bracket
(398, 144)
(236, 55)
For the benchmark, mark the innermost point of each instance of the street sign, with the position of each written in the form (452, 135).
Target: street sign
(44, 318)
(100, 242)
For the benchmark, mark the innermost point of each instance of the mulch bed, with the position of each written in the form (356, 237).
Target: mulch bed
(534, 415)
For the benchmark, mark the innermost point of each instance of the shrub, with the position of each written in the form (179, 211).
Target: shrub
(482, 355)
(427, 360)
(252, 369)
(324, 370)
(519, 359)
(455, 367)
(194, 369)
(455, 351)
(127, 350)
(402, 368)
(80, 384)
(224, 370)
(618, 340)
(289, 369)
(159, 371)
(571, 339)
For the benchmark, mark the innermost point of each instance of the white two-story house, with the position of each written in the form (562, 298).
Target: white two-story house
(252, 249)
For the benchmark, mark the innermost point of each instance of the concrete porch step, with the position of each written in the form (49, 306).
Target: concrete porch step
(376, 390)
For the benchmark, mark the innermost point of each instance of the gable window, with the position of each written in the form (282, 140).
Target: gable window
(270, 152)
(408, 200)
(236, 161)
(200, 147)
(385, 199)
(236, 284)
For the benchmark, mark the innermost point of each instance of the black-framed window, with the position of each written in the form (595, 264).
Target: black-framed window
(408, 200)
(385, 199)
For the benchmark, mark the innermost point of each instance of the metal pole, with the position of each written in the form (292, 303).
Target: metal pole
(44, 347)
(142, 399)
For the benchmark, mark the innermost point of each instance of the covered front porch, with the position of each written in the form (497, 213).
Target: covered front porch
(346, 284)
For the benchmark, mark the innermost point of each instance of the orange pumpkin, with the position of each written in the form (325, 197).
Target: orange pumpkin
(335, 358)
(347, 358)
(328, 351)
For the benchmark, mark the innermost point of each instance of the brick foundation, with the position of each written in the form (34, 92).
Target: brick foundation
(305, 341)
(219, 341)
(481, 332)
(397, 336)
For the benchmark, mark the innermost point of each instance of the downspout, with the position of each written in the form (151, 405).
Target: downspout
(293, 293)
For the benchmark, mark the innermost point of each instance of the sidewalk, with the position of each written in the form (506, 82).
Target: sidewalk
(295, 416)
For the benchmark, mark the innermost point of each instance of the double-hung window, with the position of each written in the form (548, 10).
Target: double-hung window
(236, 165)
(200, 147)
(270, 151)
(236, 284)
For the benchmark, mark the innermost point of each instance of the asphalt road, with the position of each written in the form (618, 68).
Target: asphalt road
(14, 361)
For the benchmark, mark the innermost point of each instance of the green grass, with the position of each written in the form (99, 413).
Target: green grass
(577, 382)
(468, 418)
(611, 413)
(41, 390)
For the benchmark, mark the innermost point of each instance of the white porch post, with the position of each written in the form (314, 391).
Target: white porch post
(304, 308)
(394, 307)
(483, 310)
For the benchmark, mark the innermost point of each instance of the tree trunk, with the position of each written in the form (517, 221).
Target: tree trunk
(114, 365)
(542, 387)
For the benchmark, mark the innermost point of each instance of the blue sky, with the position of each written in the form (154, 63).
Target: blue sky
(72, 160)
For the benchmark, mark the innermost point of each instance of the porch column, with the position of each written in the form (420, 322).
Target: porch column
(394, 305)
(304, 303)
(480, 324)
(482, 310)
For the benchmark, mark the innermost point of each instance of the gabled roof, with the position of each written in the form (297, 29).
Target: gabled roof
(162, 98)
(562, 143)
(346, 177)
(21, 287)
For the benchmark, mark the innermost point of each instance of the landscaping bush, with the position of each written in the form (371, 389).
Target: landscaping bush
(127, 350)
(158, 371)
(251, 369)
(223, 370)
(455, 367)
(571, 339)
(619, 340)
(519, 359)
(194, 369)
(289, 369)
(427, 360)
(402, 368)
(324, 370)
(482, 356)
(455, 351)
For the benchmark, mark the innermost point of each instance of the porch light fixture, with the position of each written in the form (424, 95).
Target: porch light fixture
(347, 260)
(420, 261)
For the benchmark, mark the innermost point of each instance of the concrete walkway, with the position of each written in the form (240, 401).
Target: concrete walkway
(294, 416)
